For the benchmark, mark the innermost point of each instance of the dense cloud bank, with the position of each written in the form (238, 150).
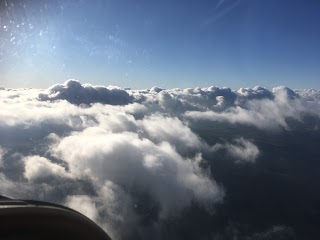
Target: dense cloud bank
(149, 163)
(76, 93)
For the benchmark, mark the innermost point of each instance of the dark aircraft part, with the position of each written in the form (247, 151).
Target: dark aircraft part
(25, 219)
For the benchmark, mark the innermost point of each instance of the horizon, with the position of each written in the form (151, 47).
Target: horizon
(128, 88)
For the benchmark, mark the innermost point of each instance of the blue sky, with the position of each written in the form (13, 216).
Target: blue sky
(140, 44)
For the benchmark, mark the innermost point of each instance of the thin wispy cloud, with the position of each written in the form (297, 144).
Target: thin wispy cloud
(222, 9)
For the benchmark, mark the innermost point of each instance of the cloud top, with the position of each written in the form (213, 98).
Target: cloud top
(75, 92)
(127, 160)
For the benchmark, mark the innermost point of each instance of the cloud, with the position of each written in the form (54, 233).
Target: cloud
(41, 169)
(6, 186)
(2, 153)
(176, 101)
(238, 115)
(247, 94)
(118, 210)
(310, 95)
(171, 129)
(261, 110)
(129, 161)
(156, 90)
(76, 93)
(84, 205)
(124, 167)
(138, 161)
(242, 150)
(285, 91)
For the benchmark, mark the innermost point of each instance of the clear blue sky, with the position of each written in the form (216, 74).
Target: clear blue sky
(168, 43)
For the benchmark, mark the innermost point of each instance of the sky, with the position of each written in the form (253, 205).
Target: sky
(140, 44)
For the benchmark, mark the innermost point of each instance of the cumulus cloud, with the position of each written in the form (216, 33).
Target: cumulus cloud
(176, 101)
(258, 106)
(124, 166)
(40, 169)
(127, 160)
(75, 92)
(255, 93)
(134, 160)
(245, 95)
(312, 95)
(264, 113)
(172, 130)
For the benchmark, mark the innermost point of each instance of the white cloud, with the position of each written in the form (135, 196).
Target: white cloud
(171, 129)
(176, 101)
(247, 94)
(122, 164)
(262, 113)
(84, 205)
(75, 92)
(242, 150)
(126, 155)
(117, 211)
(128, 160)
(39, 168)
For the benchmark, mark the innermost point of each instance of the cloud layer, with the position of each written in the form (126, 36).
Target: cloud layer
(133, 160)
